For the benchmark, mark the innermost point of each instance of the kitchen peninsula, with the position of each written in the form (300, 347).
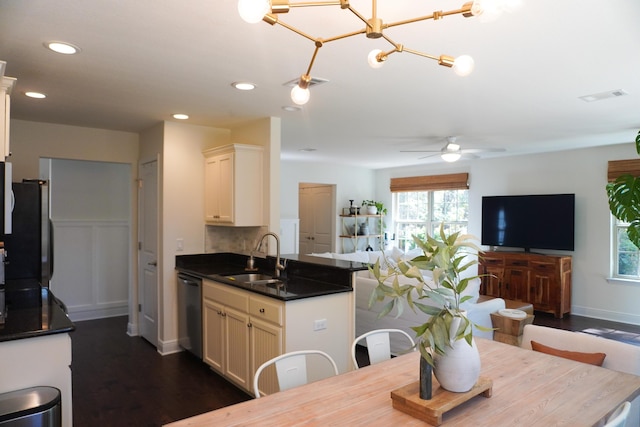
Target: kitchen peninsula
(35, 346)
(246, 324)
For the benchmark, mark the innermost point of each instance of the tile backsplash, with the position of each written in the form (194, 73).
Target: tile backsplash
(232, 239)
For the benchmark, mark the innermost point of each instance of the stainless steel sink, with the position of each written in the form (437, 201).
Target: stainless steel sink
(267, 282)
(257, 280)
(248, 277)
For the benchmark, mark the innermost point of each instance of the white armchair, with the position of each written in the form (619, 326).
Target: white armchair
(367, 318)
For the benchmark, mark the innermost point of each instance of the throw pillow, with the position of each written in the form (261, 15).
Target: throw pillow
(591, 358)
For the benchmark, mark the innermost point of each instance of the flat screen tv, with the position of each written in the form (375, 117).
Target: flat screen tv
(540, 221)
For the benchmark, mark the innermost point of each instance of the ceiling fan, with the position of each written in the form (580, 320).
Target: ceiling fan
(452, 151)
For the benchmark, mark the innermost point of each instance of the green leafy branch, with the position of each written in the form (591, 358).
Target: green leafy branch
(446, 257)
(624, 201)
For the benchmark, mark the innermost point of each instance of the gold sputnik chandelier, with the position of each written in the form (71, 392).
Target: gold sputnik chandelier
(254, 11)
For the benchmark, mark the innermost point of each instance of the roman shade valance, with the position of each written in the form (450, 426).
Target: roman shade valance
(455, 181)
(623, 167)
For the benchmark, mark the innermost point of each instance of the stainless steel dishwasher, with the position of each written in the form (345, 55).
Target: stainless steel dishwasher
(190, 313)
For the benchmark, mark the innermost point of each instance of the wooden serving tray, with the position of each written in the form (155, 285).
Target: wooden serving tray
(407, 399)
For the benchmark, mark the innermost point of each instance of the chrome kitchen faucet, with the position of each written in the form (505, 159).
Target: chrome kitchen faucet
(250, 261)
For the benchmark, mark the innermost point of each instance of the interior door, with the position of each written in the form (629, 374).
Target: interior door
(316, 205)
(148, 249)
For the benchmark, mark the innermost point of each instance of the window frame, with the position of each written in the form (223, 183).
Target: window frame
(430, 224)
(617, 226)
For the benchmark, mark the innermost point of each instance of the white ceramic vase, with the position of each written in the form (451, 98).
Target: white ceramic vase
(459, 368)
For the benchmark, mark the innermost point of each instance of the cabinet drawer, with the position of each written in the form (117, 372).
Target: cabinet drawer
(262, 308)
(226, 295)
(517, 262)
(491, 261)
(544, 266)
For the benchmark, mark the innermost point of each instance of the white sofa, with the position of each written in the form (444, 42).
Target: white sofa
(620, 356)
(367, 318)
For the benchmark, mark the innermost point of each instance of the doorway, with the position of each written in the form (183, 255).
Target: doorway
(91, 216)
(316, 207)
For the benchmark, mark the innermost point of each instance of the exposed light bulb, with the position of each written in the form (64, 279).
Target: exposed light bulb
(252, 11)
(372, 59)
(300, 96)
(463, 65)
(487, 10)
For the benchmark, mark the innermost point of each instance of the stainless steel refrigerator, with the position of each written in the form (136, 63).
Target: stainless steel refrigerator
(29, 247)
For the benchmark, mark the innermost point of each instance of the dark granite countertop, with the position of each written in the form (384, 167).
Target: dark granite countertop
(32, 311)
(304, 276)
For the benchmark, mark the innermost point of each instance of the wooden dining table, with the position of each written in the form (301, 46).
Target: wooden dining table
(529, 389)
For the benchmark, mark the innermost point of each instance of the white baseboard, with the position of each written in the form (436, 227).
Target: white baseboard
(79, 314)
(614, 316)
(168, 347)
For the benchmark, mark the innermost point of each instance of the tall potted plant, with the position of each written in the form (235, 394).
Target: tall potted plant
(624, 201)
(445, 339)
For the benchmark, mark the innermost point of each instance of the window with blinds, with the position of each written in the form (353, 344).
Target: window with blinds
(421, 203)
(625, 256)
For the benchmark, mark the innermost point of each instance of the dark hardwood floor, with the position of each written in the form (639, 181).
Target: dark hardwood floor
(121, 380)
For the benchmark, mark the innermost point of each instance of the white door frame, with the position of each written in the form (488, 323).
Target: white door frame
(148, 263)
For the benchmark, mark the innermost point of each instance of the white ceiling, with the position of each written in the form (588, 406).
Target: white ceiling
(143, 60)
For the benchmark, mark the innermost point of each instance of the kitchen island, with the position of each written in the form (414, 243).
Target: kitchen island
(313, 307)
(35, 346)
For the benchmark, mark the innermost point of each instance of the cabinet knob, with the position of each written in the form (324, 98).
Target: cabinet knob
(262, 310)
(249, 325)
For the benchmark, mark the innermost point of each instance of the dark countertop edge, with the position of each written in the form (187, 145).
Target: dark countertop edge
(25, 288)
(36, 334)
(214, 266)
(183, 261)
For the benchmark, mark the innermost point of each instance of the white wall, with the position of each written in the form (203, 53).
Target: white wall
(90, 208)
(33, 141)
(583, 172)
(351, 183)
(182, 198)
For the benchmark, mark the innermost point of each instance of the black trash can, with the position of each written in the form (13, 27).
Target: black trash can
(31, 407)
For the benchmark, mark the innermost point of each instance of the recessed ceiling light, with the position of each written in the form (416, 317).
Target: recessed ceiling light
(36, 95)
(243, 85)
(307, 150)
(62, 47)
(180, 116)
(291, 108)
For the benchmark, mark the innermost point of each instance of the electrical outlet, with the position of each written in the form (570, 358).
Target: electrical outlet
(180, 244)
(320, 324)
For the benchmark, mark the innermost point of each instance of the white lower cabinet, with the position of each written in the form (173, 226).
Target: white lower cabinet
(244, 329)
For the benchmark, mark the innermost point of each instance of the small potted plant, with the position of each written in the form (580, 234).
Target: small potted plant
(374, 208)
(446, 331)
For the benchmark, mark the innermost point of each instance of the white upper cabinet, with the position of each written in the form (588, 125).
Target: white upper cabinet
(5, 110)
(233, 185)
